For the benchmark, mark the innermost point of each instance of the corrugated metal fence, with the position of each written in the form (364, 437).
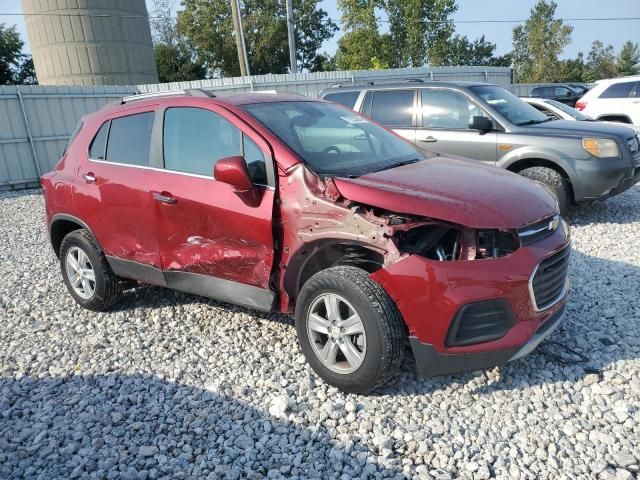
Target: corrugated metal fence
(36, 121)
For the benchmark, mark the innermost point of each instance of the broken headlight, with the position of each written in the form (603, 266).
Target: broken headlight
(448, 242)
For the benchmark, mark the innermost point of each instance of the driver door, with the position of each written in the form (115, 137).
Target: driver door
(444, 126)
(212, 241)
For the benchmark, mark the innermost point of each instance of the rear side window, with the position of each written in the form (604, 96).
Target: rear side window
(195, 139)
(393, 108)
(99, 142)
(618, 90)
(348, 99)
(130, 139)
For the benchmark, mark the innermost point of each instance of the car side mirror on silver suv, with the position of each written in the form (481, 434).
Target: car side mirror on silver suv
(480, 123)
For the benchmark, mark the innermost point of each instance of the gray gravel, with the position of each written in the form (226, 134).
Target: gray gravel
(170, 385)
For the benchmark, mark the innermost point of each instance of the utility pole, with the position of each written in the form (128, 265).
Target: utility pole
(240, 45)
(293, 65)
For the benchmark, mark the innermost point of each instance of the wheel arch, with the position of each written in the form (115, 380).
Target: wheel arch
(61, 225)
(319, 255)
(524, 163)
(617, 117)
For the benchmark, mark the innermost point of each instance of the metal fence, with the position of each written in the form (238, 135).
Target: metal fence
(310, 84)
(36, 121)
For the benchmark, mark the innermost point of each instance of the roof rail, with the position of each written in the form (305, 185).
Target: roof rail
(190, 92)
(376, 82)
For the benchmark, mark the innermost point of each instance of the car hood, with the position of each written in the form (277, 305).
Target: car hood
(460, 191)
(584, 129)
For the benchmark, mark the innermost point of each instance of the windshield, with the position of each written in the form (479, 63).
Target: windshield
(332, 140)
(512, 108)
(572, 112)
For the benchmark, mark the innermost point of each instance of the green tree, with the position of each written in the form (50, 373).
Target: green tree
(174, 56)
(538, 43)
(601, 62)
(628, 62)
(208, 27)
(15, 67)
(421, 31)
(362, 47)
(572, 70)
(480, 52)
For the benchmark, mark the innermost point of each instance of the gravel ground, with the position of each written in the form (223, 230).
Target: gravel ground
(170, 385)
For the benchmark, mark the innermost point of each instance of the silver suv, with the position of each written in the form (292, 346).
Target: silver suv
(577, 161)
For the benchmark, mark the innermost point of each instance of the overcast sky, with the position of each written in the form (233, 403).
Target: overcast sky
(584, 33)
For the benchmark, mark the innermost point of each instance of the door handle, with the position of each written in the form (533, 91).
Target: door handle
(164, 197)
(429, 139)
(89, 177)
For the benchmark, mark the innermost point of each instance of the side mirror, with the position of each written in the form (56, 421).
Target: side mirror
(233, 171)
(480, 123)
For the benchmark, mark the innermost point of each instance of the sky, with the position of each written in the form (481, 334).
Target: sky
(584, 32)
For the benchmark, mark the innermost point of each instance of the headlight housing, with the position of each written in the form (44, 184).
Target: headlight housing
(601, 147)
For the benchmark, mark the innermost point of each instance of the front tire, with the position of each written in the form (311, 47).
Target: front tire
(349, 329)
(86, 273)
(553, 182)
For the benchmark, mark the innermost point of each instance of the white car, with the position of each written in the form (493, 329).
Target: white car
(616, 100)
(560, 111)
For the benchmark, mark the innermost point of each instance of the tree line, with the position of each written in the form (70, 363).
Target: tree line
(200, 42)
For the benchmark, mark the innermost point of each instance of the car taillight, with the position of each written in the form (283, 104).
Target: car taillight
(581, 106)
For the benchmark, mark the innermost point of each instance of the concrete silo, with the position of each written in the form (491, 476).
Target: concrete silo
(90, 42)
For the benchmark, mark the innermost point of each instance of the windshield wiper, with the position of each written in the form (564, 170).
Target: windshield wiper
(533, 122)
(399, 164)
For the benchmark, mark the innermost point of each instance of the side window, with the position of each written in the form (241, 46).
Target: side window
(548, 91)
(99, 142)
(618, 90)
(256, 163)
(562, 91)
(393, 108)
(195, 139)
(447, 109)
(348, 99)
(546, 111)
(130, 139)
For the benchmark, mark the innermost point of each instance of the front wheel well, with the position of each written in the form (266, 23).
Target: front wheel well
(523, 164)
(614, 118)
(315, 257)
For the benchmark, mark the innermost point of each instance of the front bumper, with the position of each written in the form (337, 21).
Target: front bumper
(599, 179)
(429, 294)
(431, 363)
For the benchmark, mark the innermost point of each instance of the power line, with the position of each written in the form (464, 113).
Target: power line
(381, 20)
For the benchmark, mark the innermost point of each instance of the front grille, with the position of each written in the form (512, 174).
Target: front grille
(549, 279)
(537, 231)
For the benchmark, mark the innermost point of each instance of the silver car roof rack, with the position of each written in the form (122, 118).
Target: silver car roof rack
(190, 92)
(377, 82)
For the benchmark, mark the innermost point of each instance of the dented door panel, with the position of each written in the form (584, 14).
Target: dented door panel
(213, 231)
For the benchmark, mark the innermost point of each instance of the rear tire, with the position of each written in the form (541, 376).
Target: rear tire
(96, 287)
(353, 362)
(553, 182)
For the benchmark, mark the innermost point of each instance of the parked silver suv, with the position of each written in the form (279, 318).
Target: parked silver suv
(577, 161)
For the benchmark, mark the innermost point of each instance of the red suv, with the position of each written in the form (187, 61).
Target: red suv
(283, 203)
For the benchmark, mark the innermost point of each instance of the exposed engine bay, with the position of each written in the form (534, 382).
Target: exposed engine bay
(445, 242)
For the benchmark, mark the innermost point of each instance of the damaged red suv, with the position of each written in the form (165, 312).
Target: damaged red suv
(288, 204)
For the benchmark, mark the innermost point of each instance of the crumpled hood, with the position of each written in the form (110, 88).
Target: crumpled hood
(460, 191)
